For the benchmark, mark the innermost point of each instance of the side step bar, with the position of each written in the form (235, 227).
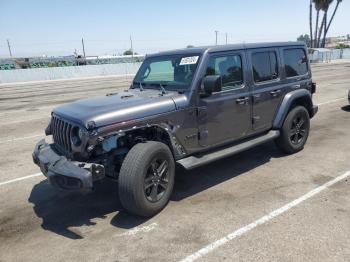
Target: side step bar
(196, 161)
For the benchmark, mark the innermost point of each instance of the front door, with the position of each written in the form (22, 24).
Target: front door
(226, 115)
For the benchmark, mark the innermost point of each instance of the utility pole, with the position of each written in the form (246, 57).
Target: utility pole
(82, 43)
(9, 46)
(131, 48)
(226, 37)
(216, 37)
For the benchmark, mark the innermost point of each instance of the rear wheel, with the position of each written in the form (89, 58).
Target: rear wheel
(295, 131)
(146, 178)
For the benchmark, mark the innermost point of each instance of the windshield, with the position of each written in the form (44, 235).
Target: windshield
(172, 72)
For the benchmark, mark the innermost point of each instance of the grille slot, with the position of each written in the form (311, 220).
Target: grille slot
(61, 133)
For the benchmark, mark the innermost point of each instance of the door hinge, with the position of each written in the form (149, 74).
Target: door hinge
(201, 111)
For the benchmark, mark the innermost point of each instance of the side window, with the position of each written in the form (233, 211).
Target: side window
(265, 66)
(230, 69)
(295, 61)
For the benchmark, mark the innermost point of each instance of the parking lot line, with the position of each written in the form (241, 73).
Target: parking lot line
(243, 230)
(19, 138)
(138, 230)
(19, 179)
(332, 101)
(24, 120)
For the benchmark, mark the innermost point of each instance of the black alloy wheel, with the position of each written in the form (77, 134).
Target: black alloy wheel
(156, 179)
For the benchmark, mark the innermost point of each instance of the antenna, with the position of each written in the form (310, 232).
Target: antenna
(216, 37)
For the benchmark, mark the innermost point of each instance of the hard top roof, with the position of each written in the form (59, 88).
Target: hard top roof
(220, 48)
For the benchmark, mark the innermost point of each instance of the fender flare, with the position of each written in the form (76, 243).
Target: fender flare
(287, 102)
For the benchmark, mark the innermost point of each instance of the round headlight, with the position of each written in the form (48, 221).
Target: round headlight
(81, 133)
(77, 135)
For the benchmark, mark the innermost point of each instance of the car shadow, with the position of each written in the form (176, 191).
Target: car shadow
(60, 211)
(346, 108)
(189, 183)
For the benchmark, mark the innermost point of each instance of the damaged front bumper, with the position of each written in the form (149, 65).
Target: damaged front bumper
(63, 173)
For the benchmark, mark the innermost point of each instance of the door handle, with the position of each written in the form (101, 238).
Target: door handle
(275, 93)
(242, 100)
(296, 86)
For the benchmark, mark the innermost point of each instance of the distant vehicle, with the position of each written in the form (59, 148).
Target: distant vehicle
(188, 107)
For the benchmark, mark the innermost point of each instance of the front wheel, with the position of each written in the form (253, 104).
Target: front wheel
(295, 131)
(146, 178)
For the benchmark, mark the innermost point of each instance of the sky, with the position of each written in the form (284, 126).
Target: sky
(56, 27)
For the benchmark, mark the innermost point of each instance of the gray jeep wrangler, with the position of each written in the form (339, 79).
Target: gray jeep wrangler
(187, 107)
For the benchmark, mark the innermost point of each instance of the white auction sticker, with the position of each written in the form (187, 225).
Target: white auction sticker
(191, 60)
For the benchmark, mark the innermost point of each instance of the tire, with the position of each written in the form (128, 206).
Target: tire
(146, 178)
(295, 131)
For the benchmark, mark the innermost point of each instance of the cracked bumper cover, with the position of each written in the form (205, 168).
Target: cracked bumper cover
(63, 173)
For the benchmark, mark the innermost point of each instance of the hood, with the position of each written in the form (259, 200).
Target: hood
(118, 107)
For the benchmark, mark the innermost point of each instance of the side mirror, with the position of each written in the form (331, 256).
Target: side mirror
(212, 84)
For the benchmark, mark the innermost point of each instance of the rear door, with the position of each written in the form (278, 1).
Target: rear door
(267, 88)
(225, 116)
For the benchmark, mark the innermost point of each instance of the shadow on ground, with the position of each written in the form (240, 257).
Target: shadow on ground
(62, 210)
(346, 108)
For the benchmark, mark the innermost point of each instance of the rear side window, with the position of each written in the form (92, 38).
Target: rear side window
(230, 69)
(295, 61)
(265, 66)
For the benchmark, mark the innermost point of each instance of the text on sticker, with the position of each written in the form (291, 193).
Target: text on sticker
(191, 60)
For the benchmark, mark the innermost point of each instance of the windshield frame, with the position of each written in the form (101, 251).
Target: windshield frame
(167, 85)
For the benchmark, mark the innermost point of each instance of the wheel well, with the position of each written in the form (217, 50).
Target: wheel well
(302, 101)
(153, 133)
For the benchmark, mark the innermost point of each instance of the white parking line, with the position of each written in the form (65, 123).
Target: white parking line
(20, 138)
(332, 101)
(22, 121)
(19, 179)
(137, 230)
(243, 230)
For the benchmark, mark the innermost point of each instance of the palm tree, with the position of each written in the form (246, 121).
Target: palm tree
(326, 5)
(318, 5)
(310, 22)
(331, 20)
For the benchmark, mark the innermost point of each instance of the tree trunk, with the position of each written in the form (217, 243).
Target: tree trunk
(318, 41)
(330, 21)
(325, 29)
(310, 22)
(316, 28)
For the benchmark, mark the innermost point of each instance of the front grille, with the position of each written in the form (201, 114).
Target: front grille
(61, 133)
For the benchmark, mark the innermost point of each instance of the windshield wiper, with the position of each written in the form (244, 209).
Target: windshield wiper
(140, 85)
(162, 89)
